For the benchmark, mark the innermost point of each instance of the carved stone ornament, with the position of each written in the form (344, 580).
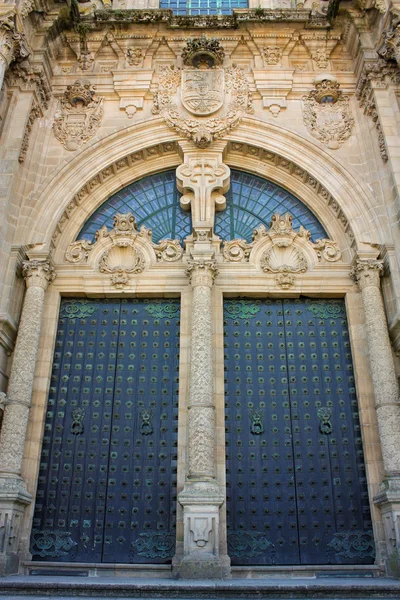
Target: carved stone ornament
(124, 257)
(134, 56)
(327, 114)
(272, 55)
(320, 58)
(203, 52)
(283, 256)
(13, 45)
(85, 60)
(79, 115)
(185, 98)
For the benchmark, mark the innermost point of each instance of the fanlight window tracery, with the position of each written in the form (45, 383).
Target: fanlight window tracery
(250, 202)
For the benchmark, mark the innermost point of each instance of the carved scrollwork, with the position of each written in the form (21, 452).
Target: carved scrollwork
(327, 250)
(78, 251)
(237, 250)
(168, 250)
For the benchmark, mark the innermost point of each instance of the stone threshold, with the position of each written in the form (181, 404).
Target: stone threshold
(125, 587)
(165, 571)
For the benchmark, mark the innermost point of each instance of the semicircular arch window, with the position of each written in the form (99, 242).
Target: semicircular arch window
(250, 202)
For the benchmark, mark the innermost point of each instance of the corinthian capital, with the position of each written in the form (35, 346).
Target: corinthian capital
(38, 273)
(12, 43)
(202, 272)
(367, 273)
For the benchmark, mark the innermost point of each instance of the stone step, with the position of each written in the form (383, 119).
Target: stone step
(338, 588)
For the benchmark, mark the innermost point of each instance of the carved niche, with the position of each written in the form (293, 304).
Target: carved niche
(327, 114)
(79, 115)
(285, 249)
(124, 249)
(202, 101)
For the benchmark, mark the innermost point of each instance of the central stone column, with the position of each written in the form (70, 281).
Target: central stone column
(13, 493)
(367, 274)
(201, 496)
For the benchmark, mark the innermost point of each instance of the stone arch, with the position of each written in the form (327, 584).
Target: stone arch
(61, 204)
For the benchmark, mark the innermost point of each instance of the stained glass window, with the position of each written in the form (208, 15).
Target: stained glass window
(251, 201)
(153, 200)
(203, 7)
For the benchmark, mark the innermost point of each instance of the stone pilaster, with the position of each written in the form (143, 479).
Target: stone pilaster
(201, 497)
(367, 274)
(13, 494)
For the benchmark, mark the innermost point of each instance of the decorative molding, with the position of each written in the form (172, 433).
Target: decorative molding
(79, 115)
(327, 114)
(123, 245)
(34, 114)
(234, 101)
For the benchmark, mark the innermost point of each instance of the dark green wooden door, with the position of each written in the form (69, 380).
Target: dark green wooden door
(107, 481)
(296, 485)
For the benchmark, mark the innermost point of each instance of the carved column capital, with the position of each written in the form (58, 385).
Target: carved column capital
(13, 44)
(38, 273)
(202, 272)
(367, 273)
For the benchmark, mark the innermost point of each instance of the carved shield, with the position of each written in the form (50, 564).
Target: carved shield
(203, 90)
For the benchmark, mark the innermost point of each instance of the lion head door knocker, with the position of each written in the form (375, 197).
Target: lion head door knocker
(77, 421)
(146, 427)
(256, 426)
(324, 415)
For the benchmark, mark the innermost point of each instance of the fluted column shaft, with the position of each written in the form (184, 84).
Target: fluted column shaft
(201, 396)
(38, 274)
(367, 274)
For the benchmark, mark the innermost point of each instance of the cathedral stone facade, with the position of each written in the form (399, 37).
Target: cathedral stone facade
(199, 287)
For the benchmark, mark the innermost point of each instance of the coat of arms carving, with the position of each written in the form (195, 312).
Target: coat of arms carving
(203, 101)
(327, 114)
(203, 90)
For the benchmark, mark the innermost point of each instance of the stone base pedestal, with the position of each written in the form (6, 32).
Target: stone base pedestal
(388, 499)
(13, 499)
(201, 501)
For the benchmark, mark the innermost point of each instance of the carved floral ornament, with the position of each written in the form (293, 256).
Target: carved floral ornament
(124, 249)
(78, 116)
(187, 97)
(326, 112)
(285, 252)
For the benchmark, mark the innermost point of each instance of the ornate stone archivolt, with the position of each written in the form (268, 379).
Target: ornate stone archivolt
(79, 115)
(186, 98)
(326, 113)
(281, 250)
(122, 251)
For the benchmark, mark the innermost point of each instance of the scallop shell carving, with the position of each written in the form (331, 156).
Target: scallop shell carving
(122, 258)
(283, 259)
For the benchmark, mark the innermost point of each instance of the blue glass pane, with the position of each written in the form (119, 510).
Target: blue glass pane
(251, 201)
(153, 200)
(203, 7)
